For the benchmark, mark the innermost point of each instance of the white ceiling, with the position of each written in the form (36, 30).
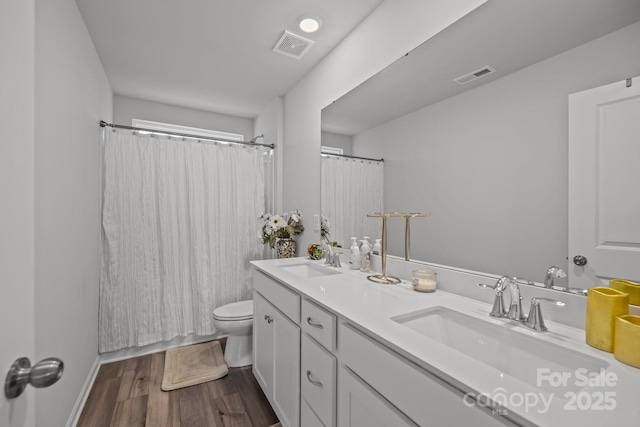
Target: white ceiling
(214, 55)
(506, 34)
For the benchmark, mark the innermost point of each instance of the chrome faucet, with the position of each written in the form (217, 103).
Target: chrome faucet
(515, 305)
(332, 258)
(553, 273)
(534, 320)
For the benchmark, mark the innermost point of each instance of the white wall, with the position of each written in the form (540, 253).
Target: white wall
(329, 139)
(394, 28)
(492, 163)
(16, 193)
(71, 96)
(126, 108)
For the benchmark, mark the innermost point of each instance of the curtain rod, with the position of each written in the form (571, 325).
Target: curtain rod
(352, 157)
(185, 135)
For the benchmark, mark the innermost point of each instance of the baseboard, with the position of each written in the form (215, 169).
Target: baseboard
(84, 393)
(128, 353)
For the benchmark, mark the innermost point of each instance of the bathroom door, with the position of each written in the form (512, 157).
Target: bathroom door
(604, 184)
(17, 331)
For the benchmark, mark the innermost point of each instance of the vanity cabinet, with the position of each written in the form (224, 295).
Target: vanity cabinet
(276, 347)
(418, 394)
(317, 369)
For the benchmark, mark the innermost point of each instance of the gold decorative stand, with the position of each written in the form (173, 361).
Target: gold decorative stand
(383, 278)
(407, 231)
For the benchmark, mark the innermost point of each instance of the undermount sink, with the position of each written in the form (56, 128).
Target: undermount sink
(518, 355)
(307, 269)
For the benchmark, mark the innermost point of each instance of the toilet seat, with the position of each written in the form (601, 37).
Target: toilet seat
(236, 311)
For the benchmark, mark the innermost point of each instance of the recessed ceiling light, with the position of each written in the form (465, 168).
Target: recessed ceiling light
(309, 23)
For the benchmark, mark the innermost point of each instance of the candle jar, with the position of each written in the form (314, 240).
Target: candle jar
(424, 280)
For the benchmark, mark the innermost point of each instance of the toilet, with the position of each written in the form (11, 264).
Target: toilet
(236, 321)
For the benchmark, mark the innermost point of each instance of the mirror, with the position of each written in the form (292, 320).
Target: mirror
(486, 155)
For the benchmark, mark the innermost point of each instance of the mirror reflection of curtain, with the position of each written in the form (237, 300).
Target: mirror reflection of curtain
(179, 224)
(352, 188)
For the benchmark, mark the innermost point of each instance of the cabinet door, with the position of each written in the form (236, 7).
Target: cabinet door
(361, 406)
(263, 351)
(286, 369)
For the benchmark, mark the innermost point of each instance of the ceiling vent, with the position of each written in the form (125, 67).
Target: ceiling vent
(474, 75)
(292, 45)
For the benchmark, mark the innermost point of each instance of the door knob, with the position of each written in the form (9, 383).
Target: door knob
(579, 260)
(42, 374)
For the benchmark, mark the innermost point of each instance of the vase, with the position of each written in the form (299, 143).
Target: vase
(285, 248)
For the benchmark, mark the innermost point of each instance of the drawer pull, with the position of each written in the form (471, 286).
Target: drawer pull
(314, 382)
(314, 325)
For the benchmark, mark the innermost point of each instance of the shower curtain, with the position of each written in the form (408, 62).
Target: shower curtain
(352, 188)
(179, 230)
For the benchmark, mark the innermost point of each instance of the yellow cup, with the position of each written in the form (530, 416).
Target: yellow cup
(603, 305)
(632, 288)
(627, 340)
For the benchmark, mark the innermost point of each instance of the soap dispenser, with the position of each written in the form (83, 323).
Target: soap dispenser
(354, 257)
(365, 256)
(377, 247)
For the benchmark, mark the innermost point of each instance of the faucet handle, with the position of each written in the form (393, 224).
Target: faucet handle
(498, 303)
(534, 319)
(336, 260)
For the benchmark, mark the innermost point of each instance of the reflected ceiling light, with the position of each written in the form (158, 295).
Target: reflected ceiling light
(309, 23)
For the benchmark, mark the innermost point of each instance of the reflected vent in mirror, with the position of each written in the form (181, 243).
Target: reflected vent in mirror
(292, 45)
(474, 75)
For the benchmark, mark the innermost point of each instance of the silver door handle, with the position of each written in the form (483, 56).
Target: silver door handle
(314, 325)
(312, 381)
(43, 374)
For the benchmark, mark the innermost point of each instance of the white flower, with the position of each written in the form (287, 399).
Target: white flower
(325, 223)
(276, 222)
(295, 217)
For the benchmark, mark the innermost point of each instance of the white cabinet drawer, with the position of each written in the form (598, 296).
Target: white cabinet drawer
(285, 299)
(319, 324)
(427, 400)
(318, 380)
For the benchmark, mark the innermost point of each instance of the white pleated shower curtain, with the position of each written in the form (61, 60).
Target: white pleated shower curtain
(352, 188)
(179, 230)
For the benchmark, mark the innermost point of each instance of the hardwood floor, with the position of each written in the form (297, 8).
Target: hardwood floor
(128, 394)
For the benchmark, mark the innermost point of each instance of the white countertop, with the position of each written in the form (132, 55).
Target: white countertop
(371, 306)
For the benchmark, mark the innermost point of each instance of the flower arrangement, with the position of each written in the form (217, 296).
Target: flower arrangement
(325, 226)
(280, 226)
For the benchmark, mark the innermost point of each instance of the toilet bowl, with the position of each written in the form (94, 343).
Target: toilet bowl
(236, 321)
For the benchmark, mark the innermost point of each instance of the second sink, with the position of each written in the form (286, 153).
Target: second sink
(512, 353)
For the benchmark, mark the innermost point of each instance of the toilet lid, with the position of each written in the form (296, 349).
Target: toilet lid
(241, 310)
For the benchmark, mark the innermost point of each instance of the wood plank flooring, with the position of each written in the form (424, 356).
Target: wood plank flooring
(128, 394)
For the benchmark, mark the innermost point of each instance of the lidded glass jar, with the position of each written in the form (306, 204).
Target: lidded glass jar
(424, 280)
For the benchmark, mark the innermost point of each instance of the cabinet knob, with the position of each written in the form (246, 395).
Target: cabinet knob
(268, 318)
